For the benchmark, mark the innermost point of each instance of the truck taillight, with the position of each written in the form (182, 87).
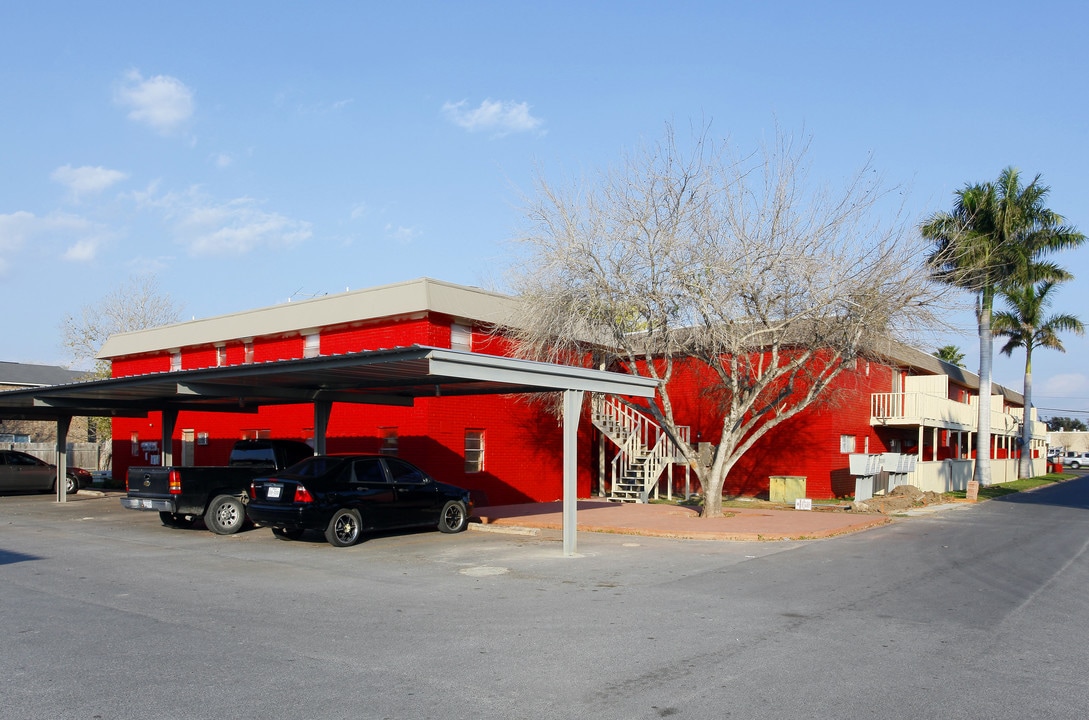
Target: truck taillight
(175, 482)
(253, 491)
(302, 495)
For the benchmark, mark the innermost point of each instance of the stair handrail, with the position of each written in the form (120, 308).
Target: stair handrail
(642, 440)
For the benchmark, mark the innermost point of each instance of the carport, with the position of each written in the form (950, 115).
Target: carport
(381, 377)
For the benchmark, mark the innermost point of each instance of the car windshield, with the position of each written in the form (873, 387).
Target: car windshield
(252, 456)
(313, 466)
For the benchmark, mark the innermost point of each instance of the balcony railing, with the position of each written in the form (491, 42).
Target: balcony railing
(927, 410)
(920, 409)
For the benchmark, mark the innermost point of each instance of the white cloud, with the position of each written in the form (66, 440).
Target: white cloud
(223, 160)
(235, 227)
(502, 117)
(86, 180)
(1066, 385)
(149, 266)
(162, 102)
(401, 235)
(82, 236)
(82, 251)
(14, 230)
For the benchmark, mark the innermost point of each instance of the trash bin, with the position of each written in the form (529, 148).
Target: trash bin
(786, 488)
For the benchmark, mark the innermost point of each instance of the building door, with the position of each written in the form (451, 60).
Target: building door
(187, 448)
(898, 390)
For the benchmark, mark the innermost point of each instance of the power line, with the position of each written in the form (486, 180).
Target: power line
(1064, 410)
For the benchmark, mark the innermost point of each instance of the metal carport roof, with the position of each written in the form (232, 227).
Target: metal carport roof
(388, 377)
(391, 377)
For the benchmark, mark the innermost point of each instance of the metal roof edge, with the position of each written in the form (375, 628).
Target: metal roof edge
(396, 299)
(480, 366)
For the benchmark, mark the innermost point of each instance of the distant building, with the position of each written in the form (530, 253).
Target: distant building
(1069, 440)
(19, 376)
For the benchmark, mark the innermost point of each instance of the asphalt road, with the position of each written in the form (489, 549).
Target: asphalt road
(974, 612)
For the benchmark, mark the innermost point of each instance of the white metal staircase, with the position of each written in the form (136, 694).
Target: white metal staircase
(645, 450)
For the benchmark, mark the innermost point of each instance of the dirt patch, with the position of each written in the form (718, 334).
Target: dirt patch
(899, 499)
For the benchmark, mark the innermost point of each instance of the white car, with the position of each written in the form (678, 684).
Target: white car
(1075, 460)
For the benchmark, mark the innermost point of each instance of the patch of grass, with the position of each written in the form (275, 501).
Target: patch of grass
(995, 491)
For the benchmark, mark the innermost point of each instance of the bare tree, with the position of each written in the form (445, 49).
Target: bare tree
(732, 264)
(135, 305)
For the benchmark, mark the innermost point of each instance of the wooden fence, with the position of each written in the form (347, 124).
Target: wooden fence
(89, 456)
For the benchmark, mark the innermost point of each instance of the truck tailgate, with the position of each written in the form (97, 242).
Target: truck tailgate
(149, 481)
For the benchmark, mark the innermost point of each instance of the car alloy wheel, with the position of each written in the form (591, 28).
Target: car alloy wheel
(454, 517)
(344, 528)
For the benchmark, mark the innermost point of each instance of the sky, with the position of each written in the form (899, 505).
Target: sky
(247, 154)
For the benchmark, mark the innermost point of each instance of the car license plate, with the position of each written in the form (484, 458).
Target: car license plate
(145, 503)
(274, 491)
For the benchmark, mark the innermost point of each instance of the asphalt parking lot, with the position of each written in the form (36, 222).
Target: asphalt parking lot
(107, 614)
(113, 615)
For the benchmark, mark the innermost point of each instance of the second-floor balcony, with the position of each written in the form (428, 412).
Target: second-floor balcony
(918, 409)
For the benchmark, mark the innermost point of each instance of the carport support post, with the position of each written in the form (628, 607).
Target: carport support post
(322, 411)
(170, 419)
(572, 409)
(63, 425)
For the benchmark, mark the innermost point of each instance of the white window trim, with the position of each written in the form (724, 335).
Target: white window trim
(474, 446)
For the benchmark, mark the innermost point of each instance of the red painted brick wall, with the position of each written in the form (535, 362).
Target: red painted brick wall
(140, 365)
(808, 444)
(523, 441)
(199, 358)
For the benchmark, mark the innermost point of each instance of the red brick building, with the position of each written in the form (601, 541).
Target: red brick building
(508, 448)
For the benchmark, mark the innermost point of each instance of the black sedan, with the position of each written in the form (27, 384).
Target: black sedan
(347, 495)
(21, 471)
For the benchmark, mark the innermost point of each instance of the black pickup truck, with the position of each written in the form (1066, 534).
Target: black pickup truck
(216, 494)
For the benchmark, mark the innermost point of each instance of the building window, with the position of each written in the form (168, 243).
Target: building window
(221, 355)
(461, 337)
(256, 434)
(311, 345)
(389, 441)
(474, 451)
(247, 347)
(847, 443)
(135, 444)
(175, 361)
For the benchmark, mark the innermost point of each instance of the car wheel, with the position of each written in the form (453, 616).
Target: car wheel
(71, 484)
(454, 517)
(344, 529)
(225, 515)
(174, 520)
(1075, 465)
(287, 533)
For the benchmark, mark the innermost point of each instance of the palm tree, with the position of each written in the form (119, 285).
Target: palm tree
(997, 234)
(950, 354)
(1024, 326)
